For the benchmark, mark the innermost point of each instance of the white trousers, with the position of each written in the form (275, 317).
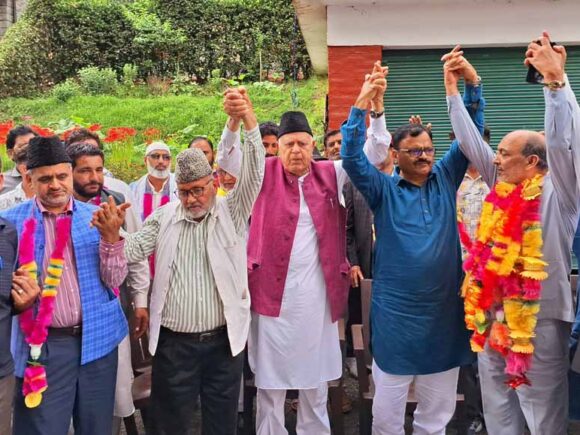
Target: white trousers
(544, 404)
(312, 418)
(124, 406)
(436, 395)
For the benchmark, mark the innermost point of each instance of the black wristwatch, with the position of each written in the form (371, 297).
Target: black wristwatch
(376, 115)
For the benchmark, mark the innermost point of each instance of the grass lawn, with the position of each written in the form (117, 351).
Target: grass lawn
(178, 118)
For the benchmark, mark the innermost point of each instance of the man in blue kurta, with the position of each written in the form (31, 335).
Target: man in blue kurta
(418, 334)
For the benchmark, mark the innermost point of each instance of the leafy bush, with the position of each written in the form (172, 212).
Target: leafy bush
(24, 65)
(233, 35)
(66, 90)
(130, 74)
(54, 39)
(98, 81)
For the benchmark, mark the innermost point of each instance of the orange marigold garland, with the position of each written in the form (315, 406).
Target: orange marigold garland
(504, 270)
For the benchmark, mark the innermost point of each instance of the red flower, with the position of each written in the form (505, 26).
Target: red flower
(64, 136)
(94, 127)
(152, 133)
(5, 128)
(119, 134)
(44, 132)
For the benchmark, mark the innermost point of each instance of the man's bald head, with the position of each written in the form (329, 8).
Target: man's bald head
(520, 155)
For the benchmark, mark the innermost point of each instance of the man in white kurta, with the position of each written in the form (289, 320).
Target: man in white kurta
(157, 187)
(297, 347)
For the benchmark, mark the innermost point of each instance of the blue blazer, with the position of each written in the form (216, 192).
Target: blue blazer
(104, 324)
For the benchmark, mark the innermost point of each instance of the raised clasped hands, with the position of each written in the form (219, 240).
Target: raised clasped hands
(109, 218)
(455, 67)
(416, 120)
(549, 61)
(238, 107)
(373, 88)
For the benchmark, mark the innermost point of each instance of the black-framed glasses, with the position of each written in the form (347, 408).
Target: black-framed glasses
(166, 157)
(196, 192)
(418, 152)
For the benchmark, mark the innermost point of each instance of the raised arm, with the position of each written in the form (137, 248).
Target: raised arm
(471, 143)
(229, 152)
(378, 140)
(241, 199)
(364, 176)
(561, 123)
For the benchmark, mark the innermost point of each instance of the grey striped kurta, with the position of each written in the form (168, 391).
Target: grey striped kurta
(193, 303)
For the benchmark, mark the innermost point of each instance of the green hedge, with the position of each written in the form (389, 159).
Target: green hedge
(55, 38)
(226, 35)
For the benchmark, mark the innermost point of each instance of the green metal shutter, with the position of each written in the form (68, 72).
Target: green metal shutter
(415, 87)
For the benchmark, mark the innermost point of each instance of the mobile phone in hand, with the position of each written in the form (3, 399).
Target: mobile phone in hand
(534, 77)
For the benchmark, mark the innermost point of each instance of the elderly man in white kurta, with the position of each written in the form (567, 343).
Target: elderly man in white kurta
(157, 187)
(297, 269)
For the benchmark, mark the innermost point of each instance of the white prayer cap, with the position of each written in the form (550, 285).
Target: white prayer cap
(157, 146)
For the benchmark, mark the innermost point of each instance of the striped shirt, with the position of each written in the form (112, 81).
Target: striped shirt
(193, 303)
(197, 307)
(470, 197)
(67, 309)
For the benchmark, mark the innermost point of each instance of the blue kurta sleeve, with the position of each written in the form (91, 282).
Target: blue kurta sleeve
(364, 176)
(475, 105)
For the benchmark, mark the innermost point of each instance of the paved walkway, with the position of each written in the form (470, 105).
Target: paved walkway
(351, 419)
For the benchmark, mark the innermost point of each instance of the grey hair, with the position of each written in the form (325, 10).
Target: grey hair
(535, 145)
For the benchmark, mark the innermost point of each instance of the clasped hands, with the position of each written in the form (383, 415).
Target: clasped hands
(549, 60)
(239, 108)
(109, 218)
(373, 89)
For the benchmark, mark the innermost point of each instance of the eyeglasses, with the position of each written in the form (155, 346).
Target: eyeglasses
(196, 192)
(165, 157)
(418, 152)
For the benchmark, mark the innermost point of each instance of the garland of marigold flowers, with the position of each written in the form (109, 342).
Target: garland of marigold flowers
(504, 270)
(35, 329)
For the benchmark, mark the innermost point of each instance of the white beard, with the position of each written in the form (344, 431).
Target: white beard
(157, 173)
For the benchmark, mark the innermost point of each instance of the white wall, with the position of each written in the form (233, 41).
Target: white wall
(443, 23)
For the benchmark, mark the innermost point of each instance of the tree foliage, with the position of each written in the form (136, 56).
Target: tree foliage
(54, 39)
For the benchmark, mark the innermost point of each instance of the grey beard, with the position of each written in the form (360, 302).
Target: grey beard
(157, 173)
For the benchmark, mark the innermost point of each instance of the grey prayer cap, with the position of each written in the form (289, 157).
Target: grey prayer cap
(191, 165)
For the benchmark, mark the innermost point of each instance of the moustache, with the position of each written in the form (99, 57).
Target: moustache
(422, 161)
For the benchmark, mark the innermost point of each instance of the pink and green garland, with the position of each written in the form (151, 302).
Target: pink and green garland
(35, 329)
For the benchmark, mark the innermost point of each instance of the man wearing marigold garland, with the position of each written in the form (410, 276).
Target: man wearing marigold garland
(523, 364)
(417, 328)
(78, 321)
